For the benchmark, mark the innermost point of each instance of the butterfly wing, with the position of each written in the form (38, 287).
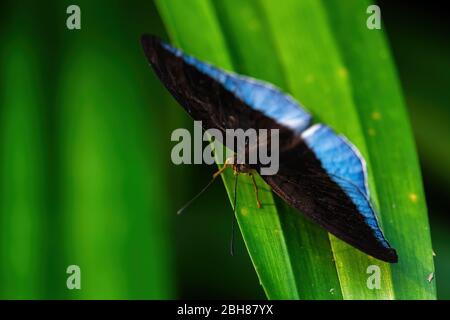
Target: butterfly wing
(219, 98)
(324, 176)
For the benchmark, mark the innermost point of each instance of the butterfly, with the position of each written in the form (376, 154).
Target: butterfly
(321, 173)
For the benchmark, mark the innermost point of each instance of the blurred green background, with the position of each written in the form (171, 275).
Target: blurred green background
(85, 170)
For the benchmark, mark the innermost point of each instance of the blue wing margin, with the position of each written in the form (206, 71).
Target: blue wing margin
(346, 167)
(257, 94)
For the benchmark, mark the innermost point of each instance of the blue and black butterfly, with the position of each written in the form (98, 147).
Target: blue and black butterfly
(320, 172)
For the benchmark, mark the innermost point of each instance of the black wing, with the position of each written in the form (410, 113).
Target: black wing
(222, 100)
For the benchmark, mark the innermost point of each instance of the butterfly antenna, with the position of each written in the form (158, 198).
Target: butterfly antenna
(198, 195)
(233, 221)
(215, 175)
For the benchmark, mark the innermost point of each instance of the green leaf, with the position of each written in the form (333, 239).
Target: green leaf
(392, 153)
(294, 44)
(113, 177)
(22, 167)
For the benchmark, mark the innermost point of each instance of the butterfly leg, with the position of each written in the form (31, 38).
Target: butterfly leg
(225, 166)
(256, 190)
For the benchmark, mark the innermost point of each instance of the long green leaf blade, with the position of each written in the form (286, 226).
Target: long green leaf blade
(322, 84)
(22, 167)
(284, 264)
(114, 183)
(392, 153)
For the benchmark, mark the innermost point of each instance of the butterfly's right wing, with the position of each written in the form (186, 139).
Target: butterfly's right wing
(324, 177)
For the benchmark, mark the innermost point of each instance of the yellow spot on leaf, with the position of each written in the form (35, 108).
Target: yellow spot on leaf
(413, 197)
(343, 72)
(376, 115)
(244, 212)
(371, 132)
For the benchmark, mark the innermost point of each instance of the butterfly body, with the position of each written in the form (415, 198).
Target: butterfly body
(320, 173)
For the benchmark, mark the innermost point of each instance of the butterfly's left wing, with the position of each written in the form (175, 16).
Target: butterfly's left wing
(324, 176)
(222, 99)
